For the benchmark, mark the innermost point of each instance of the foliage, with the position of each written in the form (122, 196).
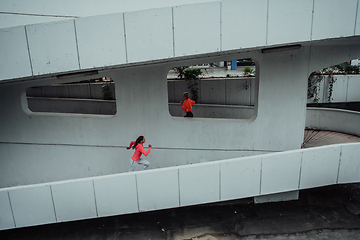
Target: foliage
(191, 76)
(180, 71)
(106, 89)
(347, 68)
(315, 79)
(247, 71)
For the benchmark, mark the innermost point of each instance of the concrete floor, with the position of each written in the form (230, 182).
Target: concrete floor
(316, 138)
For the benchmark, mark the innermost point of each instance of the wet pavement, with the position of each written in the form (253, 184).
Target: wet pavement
(331, 212)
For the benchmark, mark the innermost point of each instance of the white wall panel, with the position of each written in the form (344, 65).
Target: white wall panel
(350, 163)
(32, 205)
(353, 89)
(158, 189)
(280, 172)
(240, 178)
(339, 89)
(101, 40)
(116, 194)
(74, 200)
(199, 184)
(53, 47)
(6, 216)
(238, 91)
(197, 29)
(320, 166)
(212, 91)
(149, 35)
(243, 24)
(289, 21)
(333, 18)
(14, 61)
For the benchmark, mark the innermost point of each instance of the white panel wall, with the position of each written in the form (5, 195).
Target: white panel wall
(240, 178)
(116, 194)
(53, 47)
(179, 186)
(280, 172)
(14, 61)
(158, 189)
(353, 93)
(333, 18)
(101, 40)
(349, 164)
(212, 92)
(199, 183)
(289, 21)
(32, 205)
(192, 33)
(244, 23)
(319, 167)
(6, 216)
(339, 93)
(74, 200)
(149, 34)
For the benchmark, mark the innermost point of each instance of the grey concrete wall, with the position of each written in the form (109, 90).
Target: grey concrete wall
(223, 91)
(67, 105)
(63, 141)
(83, 91)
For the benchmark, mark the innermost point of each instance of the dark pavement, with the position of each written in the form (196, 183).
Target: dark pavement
(331, 212)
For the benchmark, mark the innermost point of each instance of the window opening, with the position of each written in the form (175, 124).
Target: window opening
(93, 96)
(220, 89)
(335, 86)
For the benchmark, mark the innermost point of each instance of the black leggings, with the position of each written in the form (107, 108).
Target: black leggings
(189, 114)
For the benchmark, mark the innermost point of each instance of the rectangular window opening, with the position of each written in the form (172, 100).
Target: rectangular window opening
(93, 96)
(220, 90)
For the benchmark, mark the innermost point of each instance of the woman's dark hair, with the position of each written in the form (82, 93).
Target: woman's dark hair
(138, 140)
(186, 95)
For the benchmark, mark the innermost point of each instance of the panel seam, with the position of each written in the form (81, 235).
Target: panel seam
(312, 20)
(96, 208)
(356, 15)
(12, 211)
(77, 45)
(53, 202)
(126, 50)
(173, 29)
(28, 47)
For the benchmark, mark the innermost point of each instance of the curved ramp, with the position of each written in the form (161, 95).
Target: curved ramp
(179, 186)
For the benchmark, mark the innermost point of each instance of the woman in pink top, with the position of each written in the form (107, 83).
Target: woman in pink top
(139, 149)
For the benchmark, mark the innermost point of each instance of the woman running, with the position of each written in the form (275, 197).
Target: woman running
(139, 150)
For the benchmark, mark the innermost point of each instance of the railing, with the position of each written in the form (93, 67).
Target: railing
(178, 186)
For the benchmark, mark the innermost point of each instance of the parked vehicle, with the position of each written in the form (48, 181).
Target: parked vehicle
(245, 62)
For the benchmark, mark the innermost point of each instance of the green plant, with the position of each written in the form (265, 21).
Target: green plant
(315, 79)
(247, 71)
(347, 68)
(191, 76)
(106, 89)
(180, 71)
